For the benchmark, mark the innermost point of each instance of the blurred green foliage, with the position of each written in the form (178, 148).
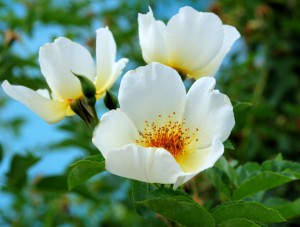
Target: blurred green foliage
(261, 74)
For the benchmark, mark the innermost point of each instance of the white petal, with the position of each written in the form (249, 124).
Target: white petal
(200, 160)
(144, 164)
(150, 91)
(106, 55)
(230, 36)
(152, 38)
(193, 38)
(117, 71)
(50, 110)
(209, 111)
(114, 131)
(58, 60)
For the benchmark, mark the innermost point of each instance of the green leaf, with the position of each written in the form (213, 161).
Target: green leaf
(248, 210)
(240, 106)
(215, 178)
(262, 181)
(228, 145)
(227, 168)
(238, 222)
(56, 183)
(140, 191)
(84, 169)
(288, 209)
(282, 166)
(111, 101)
(178, 207)
(17, 174)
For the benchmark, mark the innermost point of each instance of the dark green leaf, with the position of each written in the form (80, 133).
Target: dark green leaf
(58, 183)
(248, 210)
(238, 222)
(178, 207)
(140, 192)
(17, 174)
(225, 166)
(262, 181)
(215, 178)
(84, 169)
(288, 209)
(282, 166)
(53, 183)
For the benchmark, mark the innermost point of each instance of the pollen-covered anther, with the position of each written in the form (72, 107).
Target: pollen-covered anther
(173, 136)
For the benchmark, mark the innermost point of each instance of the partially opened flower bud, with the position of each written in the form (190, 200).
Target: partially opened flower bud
(59, 62)
(194, 43)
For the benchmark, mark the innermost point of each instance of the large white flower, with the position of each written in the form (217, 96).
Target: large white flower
(160, 134)
(58, 61)
(194, 43)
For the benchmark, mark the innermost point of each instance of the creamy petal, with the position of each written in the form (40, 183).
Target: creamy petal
(152, 38)
(200, 160)
(150, 91)
(58, 60)
(209, 111)
(114, 131)
(150, 165)
(117, 71)
(51, 111)
(230, 36)
(204, 158)
(105, 55)
(193, 39)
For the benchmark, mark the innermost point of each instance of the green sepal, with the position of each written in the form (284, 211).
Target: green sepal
(85, 109)
(87, 86)
(111, 101)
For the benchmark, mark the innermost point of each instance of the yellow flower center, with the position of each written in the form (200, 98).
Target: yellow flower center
(173, 136)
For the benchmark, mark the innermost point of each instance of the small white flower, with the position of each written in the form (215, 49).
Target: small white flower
(58, 61)
(192, 42)
(160, 134)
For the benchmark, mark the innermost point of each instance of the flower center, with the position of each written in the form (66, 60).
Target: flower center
(173, 136)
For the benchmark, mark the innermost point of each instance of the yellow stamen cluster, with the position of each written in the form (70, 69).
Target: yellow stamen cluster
(173, 136)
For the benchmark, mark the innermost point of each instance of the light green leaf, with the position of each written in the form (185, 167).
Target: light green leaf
(240, 106)
(178, 207)
(228, 145)
(84, 169)
(248, 210)
(238, 222)
(262, 181)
